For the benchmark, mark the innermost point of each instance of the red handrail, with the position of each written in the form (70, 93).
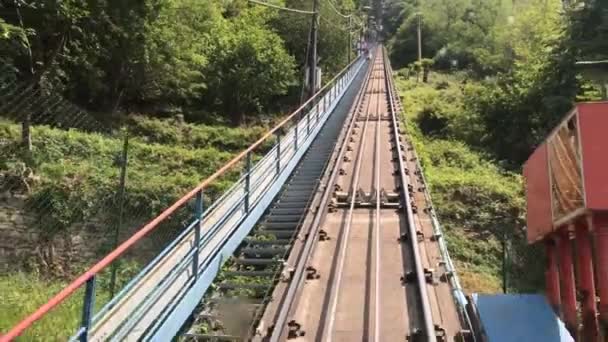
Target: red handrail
(143, 231)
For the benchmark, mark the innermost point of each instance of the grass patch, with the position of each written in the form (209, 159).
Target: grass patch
(71, 178)
(21, 294)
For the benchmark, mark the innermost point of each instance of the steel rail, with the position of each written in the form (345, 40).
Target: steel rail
(457, 290)
(18, 329)
(429, 328)
(377, 228)
(343, 244)
(299, 272)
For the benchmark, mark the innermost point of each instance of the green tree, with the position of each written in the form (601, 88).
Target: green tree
(248, 65)
(44, 28)
(523, 104)
(589, 29)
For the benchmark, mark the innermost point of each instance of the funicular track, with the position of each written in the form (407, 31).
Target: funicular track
(373, 266)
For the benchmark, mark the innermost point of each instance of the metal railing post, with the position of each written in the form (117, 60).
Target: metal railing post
(248, 181)
(324, 103)
(88, 308)
(278, 153)
(295, 137)
(198, 215)
(308, 123)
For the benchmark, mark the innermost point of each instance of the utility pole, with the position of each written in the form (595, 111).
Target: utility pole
(419, 31)
(350, 36)
(314, 35)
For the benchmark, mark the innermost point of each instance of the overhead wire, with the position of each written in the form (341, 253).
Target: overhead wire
(333, 7)
(355, 20)
(294, 10)
(354, 26)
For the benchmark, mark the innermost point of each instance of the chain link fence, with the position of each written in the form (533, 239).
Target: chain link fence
(72, 188)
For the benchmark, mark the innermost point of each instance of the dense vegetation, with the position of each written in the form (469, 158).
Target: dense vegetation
(480, 205)
(222, 57)
(498, 76)
(522, 53)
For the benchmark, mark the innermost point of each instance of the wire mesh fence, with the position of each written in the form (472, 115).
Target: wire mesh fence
(71, 189)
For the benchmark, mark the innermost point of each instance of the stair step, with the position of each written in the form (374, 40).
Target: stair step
(257, 242)
(287, 211)
(278, 233)
(263, 252)
(284, 218)
(249, 273)
(256, 261)
(279, 225)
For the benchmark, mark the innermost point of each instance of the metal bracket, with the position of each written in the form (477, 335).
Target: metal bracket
(416, 336)
(410, 277)
(287, 273)
(294, 330)
(440, 333)
(389, 200)
(446, 276)
(419, 235)
(402, 238)
(396, 158)
(464, 335)
(429, 276)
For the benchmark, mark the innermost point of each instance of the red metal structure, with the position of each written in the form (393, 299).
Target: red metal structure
(567, 202)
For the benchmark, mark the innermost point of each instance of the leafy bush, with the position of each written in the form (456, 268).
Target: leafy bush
(78, 173)
(173, 132)
(478, 203)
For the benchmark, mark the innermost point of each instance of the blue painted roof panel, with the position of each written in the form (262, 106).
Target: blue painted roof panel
(519, 318)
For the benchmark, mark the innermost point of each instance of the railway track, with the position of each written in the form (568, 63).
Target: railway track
(349, 250)
(381, 275)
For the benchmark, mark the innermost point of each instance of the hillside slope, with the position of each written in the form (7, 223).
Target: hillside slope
(479, 204)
